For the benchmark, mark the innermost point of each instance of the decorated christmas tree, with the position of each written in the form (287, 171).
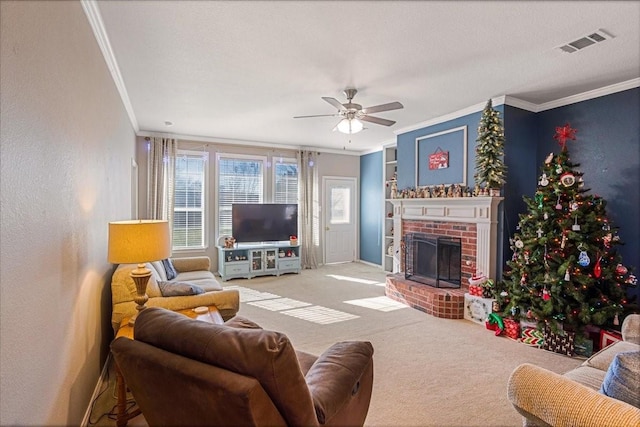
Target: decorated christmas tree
(565, 268)
(490, 167)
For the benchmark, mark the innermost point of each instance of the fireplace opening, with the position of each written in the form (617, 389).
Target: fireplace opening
(433, 260)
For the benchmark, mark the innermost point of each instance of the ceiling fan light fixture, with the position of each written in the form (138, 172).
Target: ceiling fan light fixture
(350, 126)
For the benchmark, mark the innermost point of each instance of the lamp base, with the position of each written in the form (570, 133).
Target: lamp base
(140, 277)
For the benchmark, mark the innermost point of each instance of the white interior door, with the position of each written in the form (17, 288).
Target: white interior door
(339, 220)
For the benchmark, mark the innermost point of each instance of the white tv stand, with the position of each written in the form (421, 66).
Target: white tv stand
(249, 260)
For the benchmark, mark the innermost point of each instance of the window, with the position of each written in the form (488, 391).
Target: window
(240, 180)
(286, 182)
(251, 179)
(340, 209)
(189, 200)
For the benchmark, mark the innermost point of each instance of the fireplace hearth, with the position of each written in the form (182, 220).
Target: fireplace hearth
(433, 260)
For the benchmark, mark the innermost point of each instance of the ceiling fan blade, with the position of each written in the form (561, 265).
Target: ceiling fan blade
(317, 115)
(383, 107)
(377, 120)
(335, 103)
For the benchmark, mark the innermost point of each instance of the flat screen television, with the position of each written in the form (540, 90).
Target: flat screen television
(263, 222)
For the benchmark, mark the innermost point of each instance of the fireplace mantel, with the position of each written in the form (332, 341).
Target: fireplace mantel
(482, 211)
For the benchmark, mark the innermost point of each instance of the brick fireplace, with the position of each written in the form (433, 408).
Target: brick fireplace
(472, 219)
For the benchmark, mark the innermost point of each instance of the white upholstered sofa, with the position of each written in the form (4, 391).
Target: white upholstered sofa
(545, 398)
(195, 270)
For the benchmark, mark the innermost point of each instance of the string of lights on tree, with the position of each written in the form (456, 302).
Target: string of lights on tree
(565, 268)
(490, 168)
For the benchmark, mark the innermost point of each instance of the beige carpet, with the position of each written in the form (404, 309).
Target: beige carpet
(428, 371)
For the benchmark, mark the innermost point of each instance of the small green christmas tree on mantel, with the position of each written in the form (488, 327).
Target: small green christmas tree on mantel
(565, 268)
(490, 168)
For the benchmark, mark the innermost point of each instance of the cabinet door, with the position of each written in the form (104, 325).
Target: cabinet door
(270, 256)
(256, 260)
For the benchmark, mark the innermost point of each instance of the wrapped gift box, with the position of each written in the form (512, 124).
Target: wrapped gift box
(512, 328)
(530, 335)
(562, 342)
(477, 309)
(584, 347)
(609, 337)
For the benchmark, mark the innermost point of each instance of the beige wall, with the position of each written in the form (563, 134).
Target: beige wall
(327, 164)
(66, 152)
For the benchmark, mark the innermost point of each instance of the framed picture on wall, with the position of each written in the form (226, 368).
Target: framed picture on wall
(441, 158)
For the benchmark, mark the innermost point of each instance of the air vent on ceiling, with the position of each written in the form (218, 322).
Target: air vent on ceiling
(596, 37)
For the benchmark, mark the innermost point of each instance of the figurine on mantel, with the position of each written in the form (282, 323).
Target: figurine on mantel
(436, 191)
(457, 191)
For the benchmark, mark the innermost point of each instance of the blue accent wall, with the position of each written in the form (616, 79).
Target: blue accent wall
(520, 154)
(371, 207)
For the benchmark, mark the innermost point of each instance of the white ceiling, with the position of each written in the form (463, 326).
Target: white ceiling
(234, 70)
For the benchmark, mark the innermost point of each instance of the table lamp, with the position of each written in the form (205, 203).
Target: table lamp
(139, 242)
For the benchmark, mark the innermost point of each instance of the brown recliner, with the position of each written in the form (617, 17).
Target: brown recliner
(191, 373)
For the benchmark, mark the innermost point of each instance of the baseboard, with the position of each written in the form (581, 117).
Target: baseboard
(369, 263)
(96, 391)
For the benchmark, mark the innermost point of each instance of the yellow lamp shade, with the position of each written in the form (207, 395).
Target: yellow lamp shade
(138, 241)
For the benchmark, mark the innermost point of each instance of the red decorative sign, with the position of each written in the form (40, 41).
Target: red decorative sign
(439, 159)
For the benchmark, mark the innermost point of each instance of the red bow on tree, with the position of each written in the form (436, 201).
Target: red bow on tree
(564, 133)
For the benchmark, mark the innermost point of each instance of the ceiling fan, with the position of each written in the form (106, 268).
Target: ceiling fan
(353, 114)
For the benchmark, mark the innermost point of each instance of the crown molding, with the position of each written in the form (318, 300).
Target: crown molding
(526, 105)
(585, 96)
(92, 11)
(451, 116)
(245, 143)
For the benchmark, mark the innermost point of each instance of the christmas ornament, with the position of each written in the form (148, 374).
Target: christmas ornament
(549, 158)
(576, 226)
(519, 244)
(566, 276)
(583, 258)
(559, 169)
(545, 216)
(597, 270)
(539, 199)
(564, 240)
(606, 239)
(504, 294)
(545, 294)
(558, 204)
(616, 320)
(564, 133)
(539, 232)
(573, 206)
(544, 181)
(632, 280)
(567, 179)
(621, 269)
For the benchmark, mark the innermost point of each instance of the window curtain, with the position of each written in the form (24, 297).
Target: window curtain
(161, 177)
(308, 189)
